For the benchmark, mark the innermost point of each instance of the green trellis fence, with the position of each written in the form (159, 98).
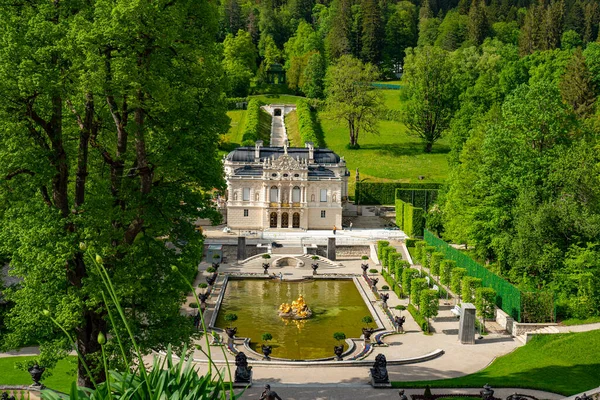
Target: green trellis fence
(508, 296)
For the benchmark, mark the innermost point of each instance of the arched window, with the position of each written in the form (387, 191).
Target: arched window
(274, 194)
(296, 194)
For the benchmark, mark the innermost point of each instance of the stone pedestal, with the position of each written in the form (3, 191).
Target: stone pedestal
(466, 330)
(241, 248)
(331, 248)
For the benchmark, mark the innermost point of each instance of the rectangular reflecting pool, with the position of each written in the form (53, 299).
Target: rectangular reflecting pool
(337, 306)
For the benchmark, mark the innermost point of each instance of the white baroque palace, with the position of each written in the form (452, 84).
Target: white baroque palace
(285, 187)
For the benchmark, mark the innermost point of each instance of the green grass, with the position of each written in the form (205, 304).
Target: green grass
(62, 376)
(264, 128)
(563, 363)
(575, 321)
(277, 98)
(293, 131)
(233, 137)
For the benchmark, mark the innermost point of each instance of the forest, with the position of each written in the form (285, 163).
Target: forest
(511, 84)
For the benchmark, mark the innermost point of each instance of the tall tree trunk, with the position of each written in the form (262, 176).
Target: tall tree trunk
(87, 344)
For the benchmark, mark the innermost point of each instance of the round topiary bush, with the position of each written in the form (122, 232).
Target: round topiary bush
(385, 287)
(400, 307)
(193, 305)
(203, 285)
(210, 269)
(373, 271)
(364, 257)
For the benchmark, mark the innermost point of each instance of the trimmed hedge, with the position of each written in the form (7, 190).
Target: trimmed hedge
(384, 193)
(410, 219)
(380, 245)
(307, 124)
(509, 297)
(410, 242)
(253, 121)
(237, 103)
(419, 319)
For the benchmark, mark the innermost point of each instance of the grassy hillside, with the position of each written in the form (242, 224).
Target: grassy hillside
(562, 363)
(62, 375)
(393, 155)
(293, 131)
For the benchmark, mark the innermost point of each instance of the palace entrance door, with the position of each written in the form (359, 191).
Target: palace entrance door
(273, 220)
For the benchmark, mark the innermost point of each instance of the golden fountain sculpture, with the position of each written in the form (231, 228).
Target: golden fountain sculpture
(297, 310)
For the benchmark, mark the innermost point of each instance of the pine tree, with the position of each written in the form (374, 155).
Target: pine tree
(532, 35)
(338, 38)
(478, 23)
(592, 18)
(372, 32)
(554, 24)
(576, 86)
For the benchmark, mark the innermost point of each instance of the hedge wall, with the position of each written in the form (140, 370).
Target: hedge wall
(423, 198)
(252, 129)
(237, 103)
(307, 124)
(509, 297)
(410, 219)
(378, 193)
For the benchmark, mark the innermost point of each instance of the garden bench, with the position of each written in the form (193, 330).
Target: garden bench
(456, 310)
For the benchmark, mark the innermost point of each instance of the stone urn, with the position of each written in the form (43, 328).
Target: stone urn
(314, 267)
(231, 332)
(211, 280)
(266, 267)
(216, 265)
(364, 267)
(367, 332)
(267, 351)
(338, 350)
(36, 374)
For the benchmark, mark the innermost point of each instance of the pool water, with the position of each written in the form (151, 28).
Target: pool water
(336, 304)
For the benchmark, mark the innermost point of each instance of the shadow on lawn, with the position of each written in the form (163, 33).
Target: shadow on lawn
(405, 149)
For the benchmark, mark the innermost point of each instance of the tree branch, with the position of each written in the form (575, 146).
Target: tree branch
(19, 172)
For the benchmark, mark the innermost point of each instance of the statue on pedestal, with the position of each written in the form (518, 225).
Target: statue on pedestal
(379, 373)
(243, 373)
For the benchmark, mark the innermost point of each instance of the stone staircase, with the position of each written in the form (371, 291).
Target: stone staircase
(547, 330)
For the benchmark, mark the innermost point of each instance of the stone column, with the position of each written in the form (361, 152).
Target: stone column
(331, 248)
(241, 248)
(466, 330)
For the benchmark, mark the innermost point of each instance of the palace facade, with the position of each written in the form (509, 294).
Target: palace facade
(285, 187)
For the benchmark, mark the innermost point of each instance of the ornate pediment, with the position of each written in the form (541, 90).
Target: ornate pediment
(286, 162)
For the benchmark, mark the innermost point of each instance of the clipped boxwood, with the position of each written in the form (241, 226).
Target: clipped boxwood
(194, 305)
(306, 123)
(385, 287)
(210, 269)
(373, 271)
(419, 319)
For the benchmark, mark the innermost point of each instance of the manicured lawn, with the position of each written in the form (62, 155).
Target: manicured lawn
(562, 363)
(392, 155)
(277, 98)
(575, 321)
(236, 129)
(293, 131)
(62, 376)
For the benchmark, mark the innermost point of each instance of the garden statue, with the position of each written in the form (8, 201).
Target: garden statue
(338, 350)
(402, 395)
(36, 374)
(231, 332)
(374, 282)
(216, 265)
(367, 332)
(399, 321)
(267, 350)
(384, 298)
(211, 279)
(266, 267)
(379, 373)
(297, 310)
(197, 320)
(203, 297)
(268, 394)
(4, 396)
(243, 372)
(364, 267)
(314, 267)
(487, 393)
(584, 397)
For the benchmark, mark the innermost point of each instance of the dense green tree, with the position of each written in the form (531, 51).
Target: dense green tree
(351, 98)
(372, 32)
(485, 303)
(452, 32)
(431, 94)
(119, 155)
(570, 40)
(231, 17)
(576, 86)
(478, 22)
(592, 18)
(313, 81)
(429, 304)
(338, 38)
(239, 62)
(507, 32)
(400, 33)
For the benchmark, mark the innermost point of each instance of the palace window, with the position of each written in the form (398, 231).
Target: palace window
(322, 213)
(323, 195)
(245, 213)
(246, 196)
(296, 194)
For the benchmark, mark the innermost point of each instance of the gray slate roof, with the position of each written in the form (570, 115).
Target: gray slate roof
(246, 154)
